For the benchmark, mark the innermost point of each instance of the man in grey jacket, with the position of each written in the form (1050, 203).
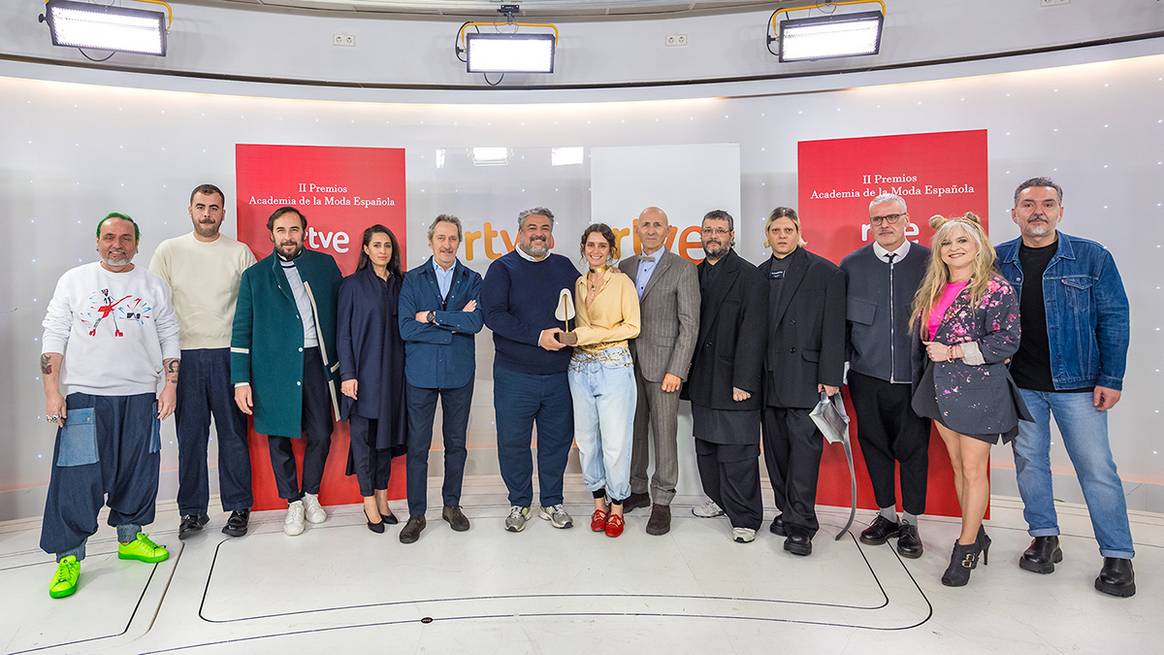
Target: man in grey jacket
(668, 289)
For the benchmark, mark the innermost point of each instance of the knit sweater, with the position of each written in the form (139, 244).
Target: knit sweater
(518, 299)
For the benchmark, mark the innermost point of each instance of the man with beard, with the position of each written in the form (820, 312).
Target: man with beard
(668, 288)
(724, 383)
(882, 279)
(114, 323)
(283, 360)
(518, 298)
(203, 269)
(1070, 365)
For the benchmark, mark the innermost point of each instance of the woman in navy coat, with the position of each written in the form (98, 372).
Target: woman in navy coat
(371, 357)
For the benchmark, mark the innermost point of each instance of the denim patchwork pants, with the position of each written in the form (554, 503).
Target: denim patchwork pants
(603, 389)
(107, 453)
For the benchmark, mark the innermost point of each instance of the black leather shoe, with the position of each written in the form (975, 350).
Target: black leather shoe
(389, 518)
(236, 525)
(909, 543)
(776, 527)
(192, 524)
(412, 529)
(1042, 556)
(378, 526)
(456, 518)
(880, 531)
(963, 559)
(1117, 577)
(635, 501)
(798, 542)
(660, 521)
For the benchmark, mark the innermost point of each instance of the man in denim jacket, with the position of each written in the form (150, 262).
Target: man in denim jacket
(1070, 364)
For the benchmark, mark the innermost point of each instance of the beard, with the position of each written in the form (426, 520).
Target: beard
(206, 229)
(537, 247)
(116, 260)
(714, 249)
(289, 248)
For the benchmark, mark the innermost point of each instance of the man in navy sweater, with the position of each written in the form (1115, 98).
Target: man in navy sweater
(518, 298)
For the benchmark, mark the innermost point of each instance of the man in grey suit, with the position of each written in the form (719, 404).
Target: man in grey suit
(668, 289)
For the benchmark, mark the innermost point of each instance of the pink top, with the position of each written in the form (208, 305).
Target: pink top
(938, 311)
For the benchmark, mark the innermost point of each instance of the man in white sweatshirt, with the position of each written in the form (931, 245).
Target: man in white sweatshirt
(203, 268)
(110, 334)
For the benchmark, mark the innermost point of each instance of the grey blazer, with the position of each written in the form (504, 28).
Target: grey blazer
(670, 315)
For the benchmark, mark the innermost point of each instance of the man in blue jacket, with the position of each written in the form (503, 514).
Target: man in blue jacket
(283, 360)
(1070, 364)
(518, 298)
(438, 318)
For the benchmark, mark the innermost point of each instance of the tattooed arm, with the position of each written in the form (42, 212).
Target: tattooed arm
(50, 375)
(168, 400)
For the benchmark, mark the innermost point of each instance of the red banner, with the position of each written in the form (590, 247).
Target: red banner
(937, 173)
(341, 191)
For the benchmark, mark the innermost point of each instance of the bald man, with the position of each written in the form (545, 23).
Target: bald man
(668, 289)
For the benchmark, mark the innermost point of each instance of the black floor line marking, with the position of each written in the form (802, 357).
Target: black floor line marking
(880, 587)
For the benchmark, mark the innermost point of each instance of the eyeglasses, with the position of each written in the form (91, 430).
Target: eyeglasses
(892, 219)
(717, 231)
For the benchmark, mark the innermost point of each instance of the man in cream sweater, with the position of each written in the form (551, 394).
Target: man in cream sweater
(109, 336)
(203, 268)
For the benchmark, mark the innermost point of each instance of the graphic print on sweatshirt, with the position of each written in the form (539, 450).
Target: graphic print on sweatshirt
(116, 312)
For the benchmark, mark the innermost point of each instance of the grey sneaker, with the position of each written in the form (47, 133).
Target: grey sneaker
(517, 518)
(743, 535)
(557, 516)
(708, 510)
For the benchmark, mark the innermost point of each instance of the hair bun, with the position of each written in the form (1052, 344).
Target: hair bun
(937, 221)
(972, 217)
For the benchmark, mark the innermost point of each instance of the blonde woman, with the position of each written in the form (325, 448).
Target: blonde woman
(602, 378)
(966, 318)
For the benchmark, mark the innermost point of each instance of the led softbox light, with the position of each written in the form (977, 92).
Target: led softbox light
(83, 25)
(827, 37)
(510, 53)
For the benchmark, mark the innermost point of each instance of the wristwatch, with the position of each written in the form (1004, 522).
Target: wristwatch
(431, 318)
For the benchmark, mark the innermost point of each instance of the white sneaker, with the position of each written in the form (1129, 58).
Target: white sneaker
(315, 513)
(743, 535)
(708, 510)
(557, 516)
(293, 524)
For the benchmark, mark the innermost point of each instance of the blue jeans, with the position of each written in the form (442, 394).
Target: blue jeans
(603, 388)
(1084, 432)
(520, 399)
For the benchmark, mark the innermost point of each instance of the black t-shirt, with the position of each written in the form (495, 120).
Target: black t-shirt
(1031, 366)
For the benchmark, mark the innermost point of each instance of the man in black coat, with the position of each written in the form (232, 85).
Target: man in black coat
(805, 357)
(724, 382)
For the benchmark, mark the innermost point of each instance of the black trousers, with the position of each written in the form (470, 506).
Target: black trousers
(889, 432)
(792, 449)
(317, 426)
(730, 474)
(422, 404)
(373, 466)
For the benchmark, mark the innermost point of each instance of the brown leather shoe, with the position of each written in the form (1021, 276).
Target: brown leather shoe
(634, 501)
(660, 521)
(456, 518)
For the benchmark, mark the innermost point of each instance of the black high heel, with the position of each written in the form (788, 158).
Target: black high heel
(983, 542)
(962, 560)
(390, 519)
(378, 528)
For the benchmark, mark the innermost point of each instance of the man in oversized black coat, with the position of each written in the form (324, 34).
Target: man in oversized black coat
(805, 358)
(724, 382)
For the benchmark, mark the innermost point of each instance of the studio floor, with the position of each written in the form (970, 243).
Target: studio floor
(339, 587)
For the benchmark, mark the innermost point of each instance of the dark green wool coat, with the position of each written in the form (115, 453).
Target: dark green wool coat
(266, 348)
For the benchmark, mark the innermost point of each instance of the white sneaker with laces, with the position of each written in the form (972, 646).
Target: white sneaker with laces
(708, 510)
(557, 516)
(293, 524)
(315, 513)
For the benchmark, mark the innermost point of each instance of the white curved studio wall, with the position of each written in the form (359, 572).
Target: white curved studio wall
(74, 151)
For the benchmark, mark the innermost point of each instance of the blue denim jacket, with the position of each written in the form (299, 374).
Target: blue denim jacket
(1087, 311)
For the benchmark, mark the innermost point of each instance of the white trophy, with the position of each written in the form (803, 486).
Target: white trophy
(565, 310)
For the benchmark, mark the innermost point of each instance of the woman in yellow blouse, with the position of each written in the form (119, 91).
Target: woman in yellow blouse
(602, 379)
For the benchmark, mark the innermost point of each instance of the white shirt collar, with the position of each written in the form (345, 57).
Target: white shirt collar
(528, 257)
(901, 251)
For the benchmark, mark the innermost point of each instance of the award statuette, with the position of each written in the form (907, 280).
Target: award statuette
(565, 310)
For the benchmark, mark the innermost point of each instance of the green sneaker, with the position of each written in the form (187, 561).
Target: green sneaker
(65, 580)
(143, 549)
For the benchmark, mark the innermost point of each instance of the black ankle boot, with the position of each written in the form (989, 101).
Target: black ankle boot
(1116, 577)
(962, 560)
(1042, 555)
(983, 542)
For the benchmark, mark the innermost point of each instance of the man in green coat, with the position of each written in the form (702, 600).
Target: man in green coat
(283, 359)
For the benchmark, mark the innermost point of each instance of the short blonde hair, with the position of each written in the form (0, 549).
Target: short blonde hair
(778, 213)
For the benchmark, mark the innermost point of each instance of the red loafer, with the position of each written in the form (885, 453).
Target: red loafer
(614, 525)
(598, 521)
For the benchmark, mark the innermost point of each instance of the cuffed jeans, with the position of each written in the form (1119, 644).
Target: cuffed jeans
(1084, 432)
(602, 386)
